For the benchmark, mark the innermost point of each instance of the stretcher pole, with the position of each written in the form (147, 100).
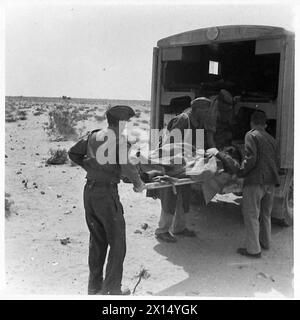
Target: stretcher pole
(163, 184)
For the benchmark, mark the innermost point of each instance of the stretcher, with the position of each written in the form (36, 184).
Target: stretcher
(222, 183)
(169, 182)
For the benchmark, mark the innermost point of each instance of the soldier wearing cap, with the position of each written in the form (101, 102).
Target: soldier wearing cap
(174, 206)
(221, 117)
(103, 209)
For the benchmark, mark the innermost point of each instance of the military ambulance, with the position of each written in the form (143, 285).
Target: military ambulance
(254, 63)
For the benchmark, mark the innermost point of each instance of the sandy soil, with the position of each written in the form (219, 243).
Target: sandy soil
(205, 266)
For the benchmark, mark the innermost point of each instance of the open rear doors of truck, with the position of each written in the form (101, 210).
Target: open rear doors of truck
(255, 63)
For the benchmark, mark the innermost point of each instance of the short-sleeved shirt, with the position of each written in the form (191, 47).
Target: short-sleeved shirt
(84, 153)
(221, 117)
(183, 121)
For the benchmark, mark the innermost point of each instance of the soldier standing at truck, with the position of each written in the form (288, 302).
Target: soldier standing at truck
(222, 109)
(103, 209)
(260, 171)
(175, 206)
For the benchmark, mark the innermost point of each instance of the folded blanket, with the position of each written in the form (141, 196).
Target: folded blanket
(183, 161)
(174, 160)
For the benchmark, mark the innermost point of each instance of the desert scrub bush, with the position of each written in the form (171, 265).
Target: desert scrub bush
(8, 205)
(38, 110)
(13, 115)
(58, 156)
(37, 113)
(81, 107)
(137, 113)
(143, 121)
(11, 118)
(10, 112)
(22, 115)
(81, 131)
(100, 117)
(62, 122)
(82, 116)
(89, 115)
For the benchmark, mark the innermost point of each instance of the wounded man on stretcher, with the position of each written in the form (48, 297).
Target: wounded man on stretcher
(175, 164)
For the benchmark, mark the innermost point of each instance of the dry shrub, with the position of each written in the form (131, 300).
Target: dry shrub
(137, 113)
(22, 115)
(81, 107)
(8, 205)
(82, 116)
(58, 156)
(37, 113)
(81, 131)
(10, 112)
(100, 118)
(11, 118)
(26, 106)
(143, 121)
(62, 122)
(13, 115)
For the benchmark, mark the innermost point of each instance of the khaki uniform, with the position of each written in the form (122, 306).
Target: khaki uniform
(174, 206)
(260, 172)
(104, 212)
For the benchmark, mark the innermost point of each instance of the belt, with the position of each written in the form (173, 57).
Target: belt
(96, 183)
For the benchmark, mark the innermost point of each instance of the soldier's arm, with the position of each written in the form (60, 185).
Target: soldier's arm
(210, 126)
(180, 123)
(210, 139)
(77, 153)
(230, 164)
(130, 171)
(250, 158)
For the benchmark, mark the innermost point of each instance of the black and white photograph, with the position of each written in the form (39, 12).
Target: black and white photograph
(149, 149)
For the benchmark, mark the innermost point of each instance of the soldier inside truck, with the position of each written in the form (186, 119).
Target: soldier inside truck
(250, 74)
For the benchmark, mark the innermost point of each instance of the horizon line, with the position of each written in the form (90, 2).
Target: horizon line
(60, 97)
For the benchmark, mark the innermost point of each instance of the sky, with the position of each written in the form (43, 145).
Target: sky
(105, 51)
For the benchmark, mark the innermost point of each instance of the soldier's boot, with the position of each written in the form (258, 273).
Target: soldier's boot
(95, 285)
(123, 292)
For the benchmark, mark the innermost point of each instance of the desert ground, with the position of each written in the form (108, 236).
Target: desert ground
(46, 237)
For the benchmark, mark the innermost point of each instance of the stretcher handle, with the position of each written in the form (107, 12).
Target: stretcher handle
(178, 182)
